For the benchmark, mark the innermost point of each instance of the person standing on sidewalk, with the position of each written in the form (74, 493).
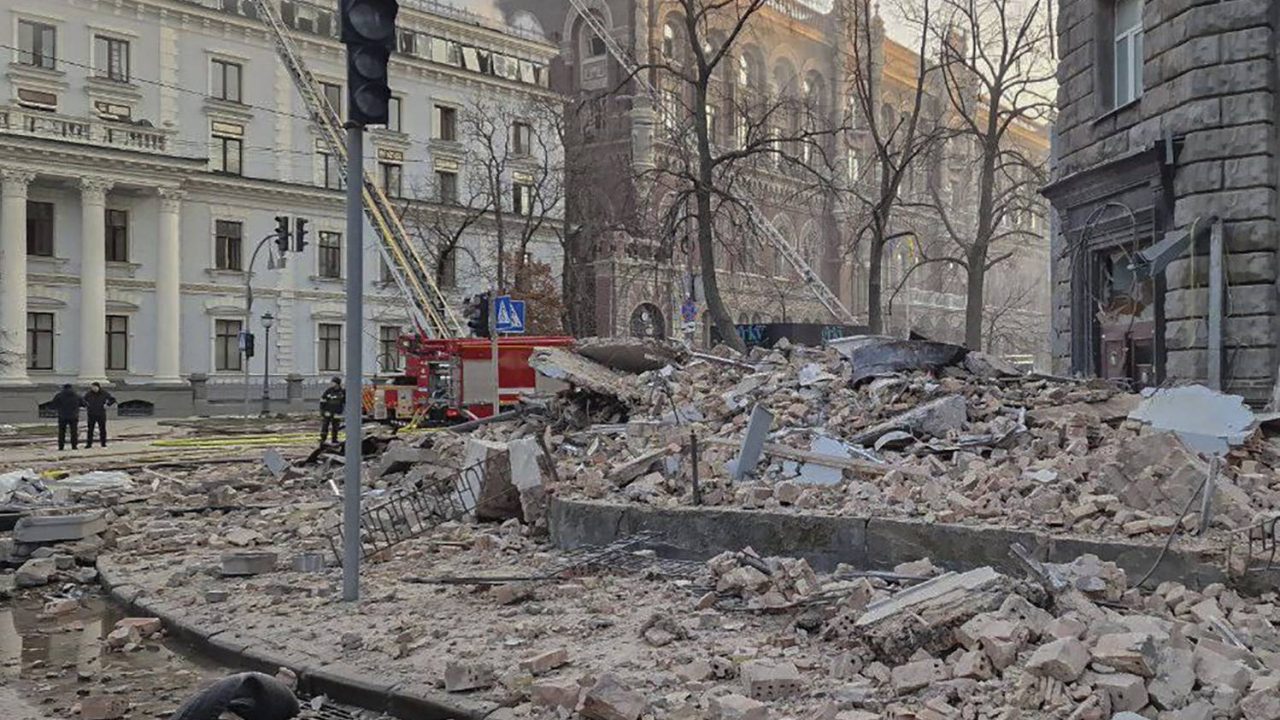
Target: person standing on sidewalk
(67, 404)
(96, 402)
(332, 403)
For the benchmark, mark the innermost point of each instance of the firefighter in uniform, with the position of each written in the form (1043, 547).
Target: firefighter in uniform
(332, 403)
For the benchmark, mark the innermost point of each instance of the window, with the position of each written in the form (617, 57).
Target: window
(117, 236)
(226, 345)
(448, 274)
(522, 198)
(329, 347)
(39, 229)
(392, 179)
(227, 244)
(333, 94)
(447, 187)
(227, 154)
(225, 80)
(113, 111)
(393, 114)
(597, 46)
(117, 342)
(1128, 51)
(39, 341)
(389, 348)
(332, 175)
(37, 44)
(111, 58)
(668, 42)
(446, 123)
(712, 135)
(385, 274)
(330, 252)
(521, 138)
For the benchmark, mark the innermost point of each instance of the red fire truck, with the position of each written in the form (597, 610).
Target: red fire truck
(451, 381)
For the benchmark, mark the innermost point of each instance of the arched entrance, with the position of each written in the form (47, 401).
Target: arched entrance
(647, 322)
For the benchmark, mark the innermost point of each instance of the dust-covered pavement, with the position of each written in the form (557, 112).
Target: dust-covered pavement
(17, 708)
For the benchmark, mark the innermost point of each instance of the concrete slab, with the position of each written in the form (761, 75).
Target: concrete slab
(59, 528)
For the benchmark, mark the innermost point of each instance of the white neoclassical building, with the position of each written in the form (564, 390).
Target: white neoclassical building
(146, 147)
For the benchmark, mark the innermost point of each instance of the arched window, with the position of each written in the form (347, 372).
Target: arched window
(647, 321)
(669, 49)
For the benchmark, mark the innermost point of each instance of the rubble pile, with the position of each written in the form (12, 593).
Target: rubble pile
(772, 582)
(965, 441)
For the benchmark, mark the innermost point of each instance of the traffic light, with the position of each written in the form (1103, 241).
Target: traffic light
(299, 234)
(246, 343)
(479, 314)
(282, 233)
(369, 32)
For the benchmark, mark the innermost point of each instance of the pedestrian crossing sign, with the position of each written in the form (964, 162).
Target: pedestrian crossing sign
(509, 315)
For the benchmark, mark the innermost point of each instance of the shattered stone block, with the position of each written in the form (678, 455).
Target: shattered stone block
(914, 676)
(1128, 692)
(555, 693)
(61, 606)
(35, 572)
(1261, 705)
(738, 707)
(463, 676)
(545, 662)
(973, 664)
(146, 626)
(103, 707)
(1214, 670)
(58, 528)
(1063, 659)
(1127, 652)
(248, 563)
(1175, 678)
(513, 592)
(485, 481)
(609, 699)
(765, 680)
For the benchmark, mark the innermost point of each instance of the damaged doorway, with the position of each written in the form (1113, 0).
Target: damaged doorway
(1125, 313)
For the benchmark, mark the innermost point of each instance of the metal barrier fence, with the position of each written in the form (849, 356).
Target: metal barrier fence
(409, 512)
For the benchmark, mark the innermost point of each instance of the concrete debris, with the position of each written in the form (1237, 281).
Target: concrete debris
(610, 699)
(103, 707)
(936, 418)
(463, 676)
(1063, 659)
(236, 564)
(34, 529)
(766, 680)
(738, 707)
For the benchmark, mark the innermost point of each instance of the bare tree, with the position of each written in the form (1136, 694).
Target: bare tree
(897, 128)
(996, 67)
(723, 132)
(508, 182)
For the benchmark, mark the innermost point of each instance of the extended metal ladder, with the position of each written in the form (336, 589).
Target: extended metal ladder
(754, 216)
(412, 273)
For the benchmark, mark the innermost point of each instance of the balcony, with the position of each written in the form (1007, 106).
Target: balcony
(83, 131)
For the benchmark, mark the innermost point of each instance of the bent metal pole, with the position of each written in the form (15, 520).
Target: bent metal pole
(355, 395)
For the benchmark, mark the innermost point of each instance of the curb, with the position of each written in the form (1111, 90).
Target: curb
(875, 543)
(338, 681)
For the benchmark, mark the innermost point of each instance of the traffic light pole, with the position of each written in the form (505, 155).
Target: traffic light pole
(248, 317)
(355, 389)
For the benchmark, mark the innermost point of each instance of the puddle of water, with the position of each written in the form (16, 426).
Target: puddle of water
(54, 661)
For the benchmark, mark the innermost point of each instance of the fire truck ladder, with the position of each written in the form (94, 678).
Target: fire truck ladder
(412, 273)
(754, 216)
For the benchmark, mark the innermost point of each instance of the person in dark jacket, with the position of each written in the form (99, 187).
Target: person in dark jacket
(96, 402)
(67, 404)
(332, 403)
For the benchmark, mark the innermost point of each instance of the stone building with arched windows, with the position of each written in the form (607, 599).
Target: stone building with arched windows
(636, 247)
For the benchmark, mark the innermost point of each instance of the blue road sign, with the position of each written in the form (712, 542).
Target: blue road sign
(689, 311)
(510, 315)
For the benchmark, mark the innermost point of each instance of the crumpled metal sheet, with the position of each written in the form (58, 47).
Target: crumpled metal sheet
(876, 356)
(1206, 420)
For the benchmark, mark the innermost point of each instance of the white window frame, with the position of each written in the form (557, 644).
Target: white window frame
(1132, 38)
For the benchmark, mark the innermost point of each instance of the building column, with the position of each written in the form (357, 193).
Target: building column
(93, 279)
(13, 275)
(168, 293)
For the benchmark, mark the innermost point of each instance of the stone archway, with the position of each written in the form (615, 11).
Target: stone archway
(647, 321)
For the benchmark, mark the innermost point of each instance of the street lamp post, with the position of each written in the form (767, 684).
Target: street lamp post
(267, 319)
